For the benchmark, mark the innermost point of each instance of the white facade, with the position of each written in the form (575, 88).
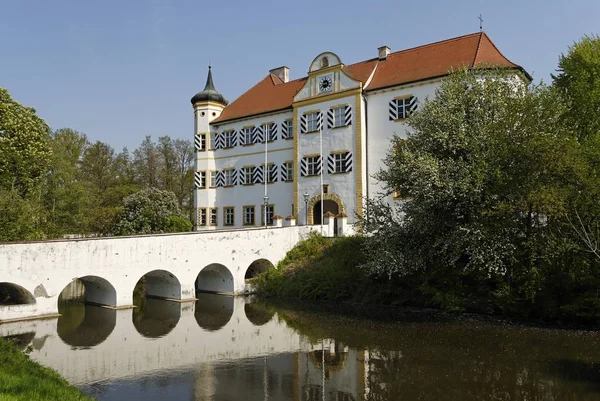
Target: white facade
(359, 109)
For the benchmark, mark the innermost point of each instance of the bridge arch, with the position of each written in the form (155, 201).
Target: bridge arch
(214, 278)
(91, 289)
(213, 311)
(158, 284)
(14, 294)
(257, 267)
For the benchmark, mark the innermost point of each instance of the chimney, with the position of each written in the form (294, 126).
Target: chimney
(384, 51)
(281, 72)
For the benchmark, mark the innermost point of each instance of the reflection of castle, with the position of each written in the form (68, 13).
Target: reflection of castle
(329, 372)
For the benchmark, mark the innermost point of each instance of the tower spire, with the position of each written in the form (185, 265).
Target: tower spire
(209, 93)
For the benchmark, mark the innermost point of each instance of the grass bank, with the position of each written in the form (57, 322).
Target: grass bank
(22, 379)
(329, 269)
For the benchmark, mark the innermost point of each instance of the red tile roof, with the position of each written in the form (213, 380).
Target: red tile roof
(420, 63)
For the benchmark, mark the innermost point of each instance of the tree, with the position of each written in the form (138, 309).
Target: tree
(147, 163)
(488, 166)
(17, 218)
(24, 151)
(150, 211)
(97, 166)
(578, 79)
(184, 157)
(65, 195)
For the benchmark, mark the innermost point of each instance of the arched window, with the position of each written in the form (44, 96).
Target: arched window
(324, 62)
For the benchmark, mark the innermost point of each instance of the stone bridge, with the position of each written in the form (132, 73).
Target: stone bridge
(176, 267)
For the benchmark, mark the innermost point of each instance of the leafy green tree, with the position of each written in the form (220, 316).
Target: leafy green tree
(65, 196)
(24, 151)
(184, 182)
(97, 166)
(147, 164)
(150, 210)
(17, 218)
(488, 166)
(578, 79)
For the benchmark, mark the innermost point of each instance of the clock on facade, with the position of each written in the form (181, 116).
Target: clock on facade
(325, 83)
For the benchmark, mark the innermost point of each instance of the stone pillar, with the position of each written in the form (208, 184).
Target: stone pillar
(342, 224)
(328, 223)
(290, 221)
(277, 221)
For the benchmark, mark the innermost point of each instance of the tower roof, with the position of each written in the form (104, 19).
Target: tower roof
(209, 93)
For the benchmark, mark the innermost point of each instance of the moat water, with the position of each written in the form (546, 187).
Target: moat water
(223, 348)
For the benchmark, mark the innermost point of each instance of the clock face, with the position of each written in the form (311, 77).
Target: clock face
(325, 83)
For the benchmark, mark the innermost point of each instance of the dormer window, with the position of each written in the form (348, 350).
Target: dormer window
(324, 62)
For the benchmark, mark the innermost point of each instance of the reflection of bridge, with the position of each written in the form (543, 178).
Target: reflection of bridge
(119, 350)
(176, 266)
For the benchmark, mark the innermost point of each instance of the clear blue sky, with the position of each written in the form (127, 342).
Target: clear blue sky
(122, 69)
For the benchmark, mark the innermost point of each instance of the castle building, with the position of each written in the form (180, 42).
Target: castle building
(310, 146)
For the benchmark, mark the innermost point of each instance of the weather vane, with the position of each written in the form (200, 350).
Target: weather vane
(480, 23)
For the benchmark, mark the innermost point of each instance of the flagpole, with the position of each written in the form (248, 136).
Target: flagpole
(321, 160)
(265, 176)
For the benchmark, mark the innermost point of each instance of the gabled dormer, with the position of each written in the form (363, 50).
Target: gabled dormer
(326, 76)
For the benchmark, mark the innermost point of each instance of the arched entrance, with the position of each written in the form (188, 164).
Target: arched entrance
(331, 203)
(328, 206)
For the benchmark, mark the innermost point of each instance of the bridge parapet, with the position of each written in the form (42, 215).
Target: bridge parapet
(110, 267)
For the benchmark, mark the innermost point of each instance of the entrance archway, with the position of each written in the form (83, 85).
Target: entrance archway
(331, 203)
(328, 206)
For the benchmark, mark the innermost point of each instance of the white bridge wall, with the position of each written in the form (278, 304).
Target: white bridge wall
(46, 268)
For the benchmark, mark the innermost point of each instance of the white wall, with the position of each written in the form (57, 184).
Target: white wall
(381, 129)
(334, 139)
(280, 193)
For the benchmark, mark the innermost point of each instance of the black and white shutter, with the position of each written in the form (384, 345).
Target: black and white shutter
(219, 140)
(198, 180)
(304, 167)
(272, 172)
(303, 124)
(198, 142)
(284, 173)
(286, 130)
(234, 138)
(347, 115)
(258, 135)
(257, 175)
(412, 107)
(319, 121)
(330, 118)
(393, 109)
(220, 178)
(272, 132)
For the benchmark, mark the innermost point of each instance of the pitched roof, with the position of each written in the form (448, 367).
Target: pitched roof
(420, 63)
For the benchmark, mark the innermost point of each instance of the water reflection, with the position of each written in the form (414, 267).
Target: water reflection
(154, 318)
(259, 313)
(225, 348)
(213, 311)
(83, 325)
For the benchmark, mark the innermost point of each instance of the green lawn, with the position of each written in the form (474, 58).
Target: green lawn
(26, 380)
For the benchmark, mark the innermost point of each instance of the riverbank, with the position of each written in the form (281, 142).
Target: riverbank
(22, 379)
(325, 269)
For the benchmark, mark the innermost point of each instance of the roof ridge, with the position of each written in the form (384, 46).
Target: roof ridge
(420, 47)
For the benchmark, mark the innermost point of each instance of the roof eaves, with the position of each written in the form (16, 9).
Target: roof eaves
(248, 116)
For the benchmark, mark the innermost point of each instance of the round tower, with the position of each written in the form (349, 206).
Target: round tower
(208, 105)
